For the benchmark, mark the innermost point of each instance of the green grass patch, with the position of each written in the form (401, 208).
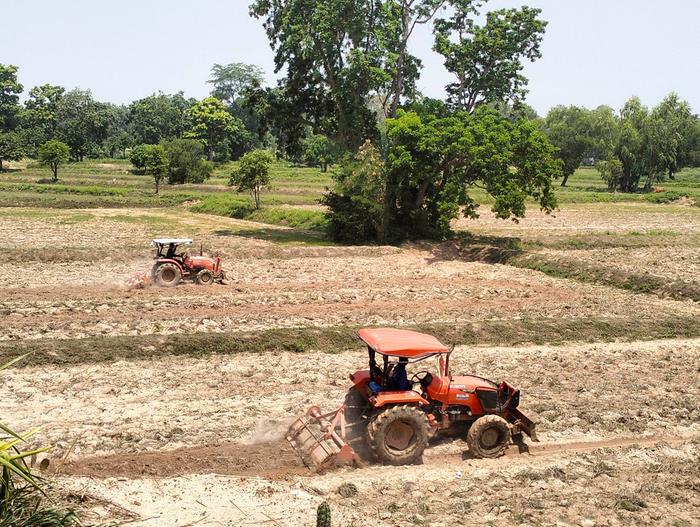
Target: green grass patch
(336, 339)
(312, 220)
(236, 206)
(635, 282)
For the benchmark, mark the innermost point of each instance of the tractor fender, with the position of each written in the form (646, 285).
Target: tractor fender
(161, 261)
(393, 398)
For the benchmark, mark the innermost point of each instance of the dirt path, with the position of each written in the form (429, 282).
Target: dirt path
(278, 461)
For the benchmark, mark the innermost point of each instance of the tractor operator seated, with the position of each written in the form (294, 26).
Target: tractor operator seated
(398, 379)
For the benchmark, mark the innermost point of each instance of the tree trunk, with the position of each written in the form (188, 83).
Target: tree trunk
(670, 172)
(54, 169)
(0, 164)
(157, 184)
(564, 180)
(398, 80)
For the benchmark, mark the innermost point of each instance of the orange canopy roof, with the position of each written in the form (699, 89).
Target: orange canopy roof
(402, 342)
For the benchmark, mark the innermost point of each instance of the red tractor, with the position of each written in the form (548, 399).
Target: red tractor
(174, 265)
(394, 416)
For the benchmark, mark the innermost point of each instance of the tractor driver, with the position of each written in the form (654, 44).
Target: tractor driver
(399, 378)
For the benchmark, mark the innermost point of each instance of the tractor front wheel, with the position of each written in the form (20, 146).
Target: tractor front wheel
(167, 275)
(398, 435)
(488, 436)
(204, 277)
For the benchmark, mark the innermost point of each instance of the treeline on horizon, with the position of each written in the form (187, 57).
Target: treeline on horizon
(349, 98)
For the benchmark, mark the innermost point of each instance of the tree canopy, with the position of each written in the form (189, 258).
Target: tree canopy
(432, 164)
(253, 173)
(210, 122)
(53, 154)
(10, 89)
(488, 60)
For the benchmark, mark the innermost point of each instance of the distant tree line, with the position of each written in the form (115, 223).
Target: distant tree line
(405, 164)
(633, 148)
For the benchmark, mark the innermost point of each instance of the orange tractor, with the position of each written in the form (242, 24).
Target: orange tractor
(392, 416)
(173, 264)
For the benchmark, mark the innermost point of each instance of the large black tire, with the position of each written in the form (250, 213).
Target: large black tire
(204, 277)
(398, 435)
(167, 275)
(488, 436)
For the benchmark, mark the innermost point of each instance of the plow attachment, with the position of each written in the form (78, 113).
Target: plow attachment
(315, 436)
(522, 423)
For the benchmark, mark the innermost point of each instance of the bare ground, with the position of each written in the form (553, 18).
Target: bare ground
(272, 286)
(213, 427)
(183, 441)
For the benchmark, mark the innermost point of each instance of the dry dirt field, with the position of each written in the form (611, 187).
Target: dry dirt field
(197, 440)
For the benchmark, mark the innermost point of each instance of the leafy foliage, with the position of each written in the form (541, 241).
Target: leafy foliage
(253, 173)
(340, 53)
(487, 60)
(357, 203)
(155, 163)
(39, 119)
(211, 123)
(570, 130)
(320, 151)
(610, 171)
(10, 89)
(83, 123)
(137, 157)
(186, 163)
(53, 154)
(431, 165)
(11, 148)
(231, 81)
(159, 117)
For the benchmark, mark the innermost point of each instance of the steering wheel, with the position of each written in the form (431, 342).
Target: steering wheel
(419, 376)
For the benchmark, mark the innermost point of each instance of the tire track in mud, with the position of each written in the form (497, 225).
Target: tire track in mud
(278, 461)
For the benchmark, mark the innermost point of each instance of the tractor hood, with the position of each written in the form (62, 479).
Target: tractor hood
(471, 382)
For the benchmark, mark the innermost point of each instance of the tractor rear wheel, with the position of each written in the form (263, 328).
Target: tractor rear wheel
(167, 275)
(398, 435)
(204, 277)
(488, 436)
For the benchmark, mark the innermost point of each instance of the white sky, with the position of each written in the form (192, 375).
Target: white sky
(595, 51)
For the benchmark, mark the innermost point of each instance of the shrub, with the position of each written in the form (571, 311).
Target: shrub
(253, 173)
(319, 151)
(137, 157)
(156, 163)
(53, 154)
(186, 162)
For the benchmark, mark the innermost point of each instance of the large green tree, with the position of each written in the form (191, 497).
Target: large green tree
(159, 117)
(433, 163)
(83, 123)
(10, 89)
(231, 81)
(339, 53)
(253, 174)
(210, 122)
(186, 162)
(155, 162)
(11, 148)
(39, 119)
(488, 59)
(672, 134)
(53, 154)
(569, 128)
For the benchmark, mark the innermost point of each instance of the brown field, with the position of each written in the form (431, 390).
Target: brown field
(195, 437)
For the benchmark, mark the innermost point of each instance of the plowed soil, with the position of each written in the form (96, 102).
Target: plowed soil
(181, 441)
